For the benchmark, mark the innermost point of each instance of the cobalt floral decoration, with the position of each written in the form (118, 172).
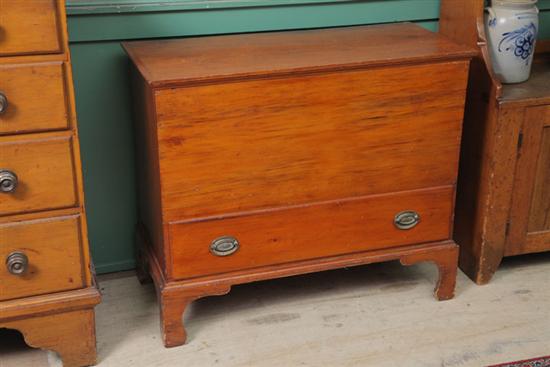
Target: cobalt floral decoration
(521, 41)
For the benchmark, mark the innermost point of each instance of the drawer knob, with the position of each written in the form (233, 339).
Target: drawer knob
(8, 181)
(406, 219)
(3, 102)
(17, 262)
(224, 246)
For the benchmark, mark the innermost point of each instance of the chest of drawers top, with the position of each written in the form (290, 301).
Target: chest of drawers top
(222, 58)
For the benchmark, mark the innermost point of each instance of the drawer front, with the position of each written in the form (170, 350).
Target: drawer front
(308, 232)
(269, 143)
(52, 250)
(33, 97)
(42, 173)
(29, 27)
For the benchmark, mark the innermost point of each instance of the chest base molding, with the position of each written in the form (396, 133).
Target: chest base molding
(55, 321)
(175, 296)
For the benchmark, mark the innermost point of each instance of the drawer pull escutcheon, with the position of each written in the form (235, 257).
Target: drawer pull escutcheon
(3, 102)
(224, 246)
(406, 219)
(8, 181)
(17, 262)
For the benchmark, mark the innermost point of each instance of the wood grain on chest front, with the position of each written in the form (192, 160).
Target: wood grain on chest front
(271, 143)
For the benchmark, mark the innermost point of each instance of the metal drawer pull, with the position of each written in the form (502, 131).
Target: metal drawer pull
(224, 246)
(3, 103)
(8, 181)
(17, 262)
(406, 219)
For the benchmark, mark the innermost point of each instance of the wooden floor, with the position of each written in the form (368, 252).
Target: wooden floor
(375, 315)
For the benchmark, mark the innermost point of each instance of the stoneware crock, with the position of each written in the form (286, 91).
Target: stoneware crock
(511, 27)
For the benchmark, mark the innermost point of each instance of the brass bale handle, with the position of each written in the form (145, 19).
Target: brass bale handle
(8, 181)
(3, 102)
(17, 263)
(406, 219)
(224, 246)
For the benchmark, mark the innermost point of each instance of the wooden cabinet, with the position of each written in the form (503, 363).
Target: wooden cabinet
(503, 199)
(47, 287)
(269, 155)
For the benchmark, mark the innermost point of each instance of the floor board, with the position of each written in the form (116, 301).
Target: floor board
(374, 315)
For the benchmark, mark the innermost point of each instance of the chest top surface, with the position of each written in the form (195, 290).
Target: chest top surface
(171, 62)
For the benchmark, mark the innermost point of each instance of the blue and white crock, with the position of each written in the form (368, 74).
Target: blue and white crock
(511, 27)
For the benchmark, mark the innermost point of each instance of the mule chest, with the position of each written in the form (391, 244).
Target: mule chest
(268, 155)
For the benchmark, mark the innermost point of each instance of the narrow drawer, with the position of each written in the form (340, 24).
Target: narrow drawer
(52, 250)
(37, 173)
(29, 27)
(308, 232)
(276, 142)
(32, 97)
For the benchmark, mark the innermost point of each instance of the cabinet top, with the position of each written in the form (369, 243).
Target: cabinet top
(535, 90)
(164, 63)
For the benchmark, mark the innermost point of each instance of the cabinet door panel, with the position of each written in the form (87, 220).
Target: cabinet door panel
(539, 216)
(36, 94)
(530, 214)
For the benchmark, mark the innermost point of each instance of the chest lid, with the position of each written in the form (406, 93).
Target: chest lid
(165, 63)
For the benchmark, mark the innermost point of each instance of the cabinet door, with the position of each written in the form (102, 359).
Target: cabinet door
(529, 226)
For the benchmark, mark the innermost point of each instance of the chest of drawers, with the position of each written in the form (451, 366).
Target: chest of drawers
(269, 155)
(47, 290)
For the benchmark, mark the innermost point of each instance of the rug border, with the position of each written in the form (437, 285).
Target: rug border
(520, 361)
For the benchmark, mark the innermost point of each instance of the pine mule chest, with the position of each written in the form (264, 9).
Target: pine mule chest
(47, 288)
(268, 155)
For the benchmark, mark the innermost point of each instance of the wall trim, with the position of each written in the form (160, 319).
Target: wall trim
(80, 7)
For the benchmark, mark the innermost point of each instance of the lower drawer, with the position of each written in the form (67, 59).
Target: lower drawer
(53, 250)
(307, 232)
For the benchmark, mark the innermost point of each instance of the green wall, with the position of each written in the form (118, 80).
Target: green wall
(103, 102)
